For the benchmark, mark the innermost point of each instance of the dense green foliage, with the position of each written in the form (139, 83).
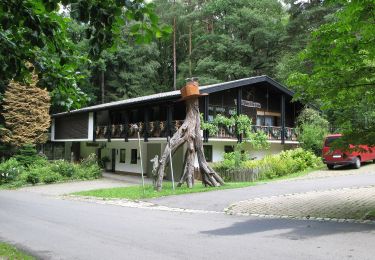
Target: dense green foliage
(242, 126)
(272, 166)
(312, 128)
(38, 31)
(341, 74)
(229, 40)
(33, 169)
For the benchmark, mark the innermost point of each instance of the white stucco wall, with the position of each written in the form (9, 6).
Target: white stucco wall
(119, 144)
(217, 152)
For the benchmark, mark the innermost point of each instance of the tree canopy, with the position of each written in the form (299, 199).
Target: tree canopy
(37, 31)
(341, 71)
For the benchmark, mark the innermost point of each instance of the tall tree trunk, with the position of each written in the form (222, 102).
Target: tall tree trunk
(189, 133)
(102, 88)
(190, 46)
(174, 48)
(174, 54)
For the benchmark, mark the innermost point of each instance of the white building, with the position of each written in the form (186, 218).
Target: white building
(105, 129)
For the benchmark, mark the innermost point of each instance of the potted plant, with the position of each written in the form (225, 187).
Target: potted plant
(104, 162)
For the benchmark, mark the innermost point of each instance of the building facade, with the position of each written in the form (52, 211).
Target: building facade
(106, 129)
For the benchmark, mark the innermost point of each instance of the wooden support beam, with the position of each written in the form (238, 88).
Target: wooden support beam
(239, 109)
(169, 119)
(126, 125)
(109, 136)
(282, 119)
(206, 102)
(145, 123)
(94, 126)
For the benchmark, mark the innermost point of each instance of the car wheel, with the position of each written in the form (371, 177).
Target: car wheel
(357, 163)
(330, 166)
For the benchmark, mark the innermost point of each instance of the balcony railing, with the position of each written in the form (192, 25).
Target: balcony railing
(154, 129)
(272, 132)
(160, 129)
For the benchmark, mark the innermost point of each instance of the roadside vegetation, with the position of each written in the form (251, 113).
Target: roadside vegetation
(29, 168)
(10, 252)
(288, 164)
(136, 192)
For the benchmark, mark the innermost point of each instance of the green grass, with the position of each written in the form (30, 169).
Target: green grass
(135, 192)
(12, 253)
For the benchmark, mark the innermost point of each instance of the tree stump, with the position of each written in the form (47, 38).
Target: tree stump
(190, 133)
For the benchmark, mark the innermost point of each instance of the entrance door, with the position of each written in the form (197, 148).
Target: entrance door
(76, 150)
(113, 160)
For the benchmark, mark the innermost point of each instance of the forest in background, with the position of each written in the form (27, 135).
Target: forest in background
(218, 40)
(89, 52)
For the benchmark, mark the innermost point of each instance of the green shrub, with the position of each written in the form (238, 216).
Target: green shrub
(27, 155)
(86, 172)
(10, 170)
(272, 166)
(64, 168)
(13, 173)
(312, 128)
(89, 160)
(49, 176)
(32, 176)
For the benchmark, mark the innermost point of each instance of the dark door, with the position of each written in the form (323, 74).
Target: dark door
(113, 160)
(76, 150)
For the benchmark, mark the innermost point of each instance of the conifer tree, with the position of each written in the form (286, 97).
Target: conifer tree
(26, 113)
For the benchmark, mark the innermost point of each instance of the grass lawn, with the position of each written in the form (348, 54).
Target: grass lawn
(10, 252)
(135, 192)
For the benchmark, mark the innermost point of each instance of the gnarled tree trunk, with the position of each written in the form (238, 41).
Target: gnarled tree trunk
(189, 133)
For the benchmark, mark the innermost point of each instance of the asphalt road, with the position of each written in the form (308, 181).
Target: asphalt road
(221, 199)
(52, 228)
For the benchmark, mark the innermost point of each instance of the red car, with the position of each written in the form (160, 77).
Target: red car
(338, 157)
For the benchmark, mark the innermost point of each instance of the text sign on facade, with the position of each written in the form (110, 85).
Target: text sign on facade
(248, 103)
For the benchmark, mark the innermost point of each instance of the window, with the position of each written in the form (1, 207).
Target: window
(207, 149)
(122, 155)
(228, 148)
(133, 159)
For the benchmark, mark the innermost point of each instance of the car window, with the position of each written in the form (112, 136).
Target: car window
(330, 140)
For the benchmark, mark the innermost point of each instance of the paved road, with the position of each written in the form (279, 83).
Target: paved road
(219, 200)
(52, 228)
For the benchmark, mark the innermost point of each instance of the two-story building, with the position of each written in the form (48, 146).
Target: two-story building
(105, 129)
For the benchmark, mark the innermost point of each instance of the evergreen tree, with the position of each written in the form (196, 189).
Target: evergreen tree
(304, 18)
(26, 113)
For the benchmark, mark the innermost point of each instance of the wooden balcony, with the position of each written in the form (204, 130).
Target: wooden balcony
(158, 129)
(272, 132)
(153, 129)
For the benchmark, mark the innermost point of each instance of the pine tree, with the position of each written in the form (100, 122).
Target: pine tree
(26, 113)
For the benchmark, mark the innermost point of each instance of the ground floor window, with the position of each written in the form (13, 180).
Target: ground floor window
(208, 152)
(133, 159)
(228, 148)
(122, 155)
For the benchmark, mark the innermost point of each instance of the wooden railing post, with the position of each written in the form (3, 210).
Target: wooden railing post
(282, 119)
(145, 124)
(205, 118)
(126, 126)
(239, 110)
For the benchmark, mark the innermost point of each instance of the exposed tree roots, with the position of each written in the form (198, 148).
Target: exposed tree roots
(189, 133)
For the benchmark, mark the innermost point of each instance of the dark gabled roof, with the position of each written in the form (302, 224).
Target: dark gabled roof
(176, 94)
